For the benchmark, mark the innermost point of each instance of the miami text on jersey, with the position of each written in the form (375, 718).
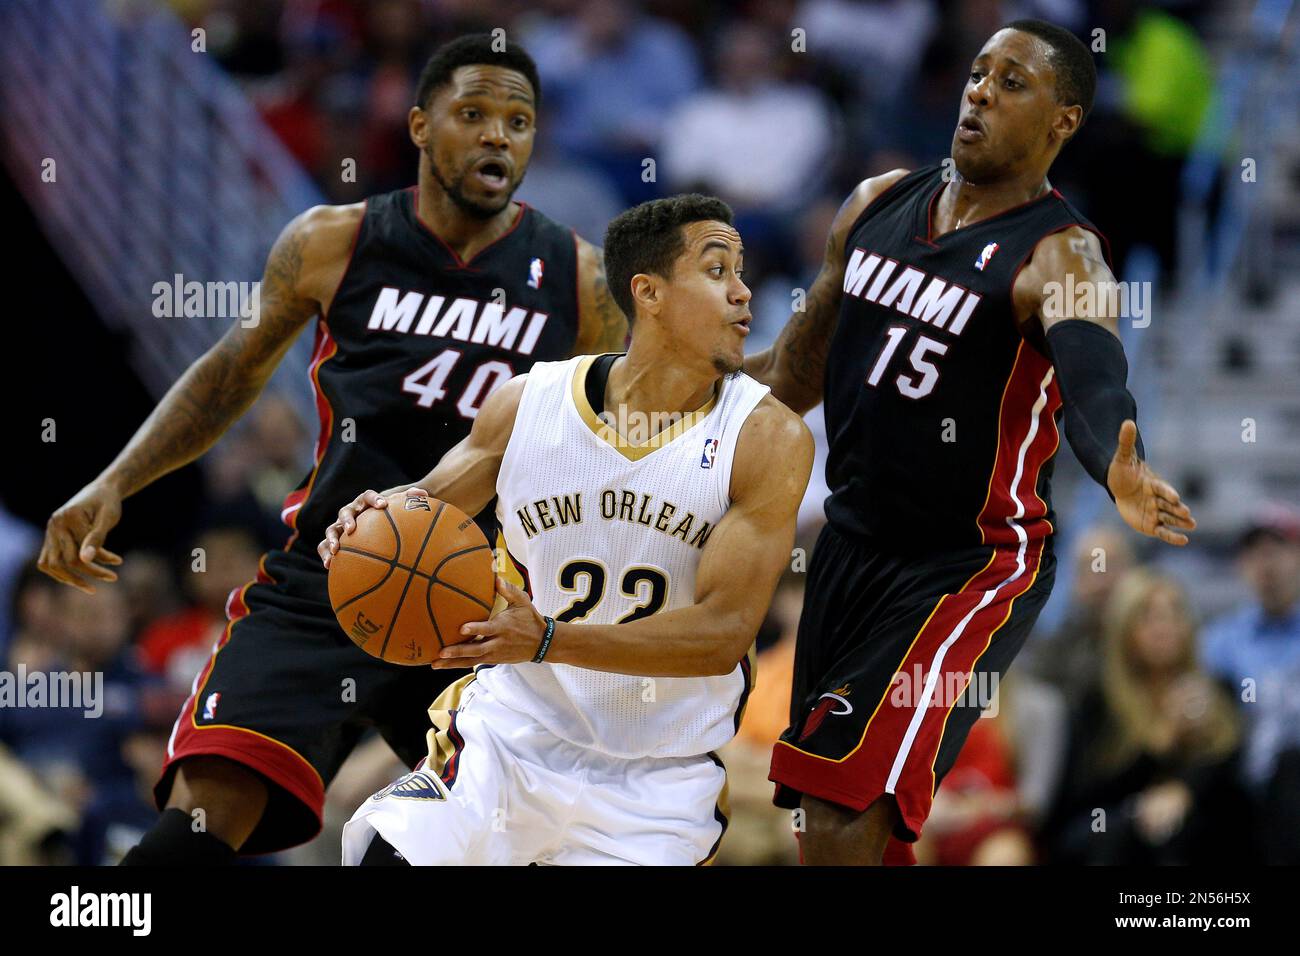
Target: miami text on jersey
(464, 319)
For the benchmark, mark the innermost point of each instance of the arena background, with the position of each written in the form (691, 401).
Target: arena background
(136, 149)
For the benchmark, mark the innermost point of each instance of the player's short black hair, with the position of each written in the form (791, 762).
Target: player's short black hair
(471, 50)
(1076, 74)
(648, 239)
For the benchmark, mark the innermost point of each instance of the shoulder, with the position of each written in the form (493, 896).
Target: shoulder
(1072, 251)
(321, 238)
(1068, 249)
(863, 195)
(772, 432)
(329, 228)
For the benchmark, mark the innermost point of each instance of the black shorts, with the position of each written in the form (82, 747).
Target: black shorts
(896, 658)
(286, 693)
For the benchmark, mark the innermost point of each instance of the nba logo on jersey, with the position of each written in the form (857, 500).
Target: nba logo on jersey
(535, 270)
(985, 256)
(210, 705)
(710, 451)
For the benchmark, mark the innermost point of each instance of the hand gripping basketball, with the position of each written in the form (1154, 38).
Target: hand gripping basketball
(348, 519)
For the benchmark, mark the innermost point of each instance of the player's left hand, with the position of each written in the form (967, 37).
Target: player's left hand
(510, 636)
(1146, 502)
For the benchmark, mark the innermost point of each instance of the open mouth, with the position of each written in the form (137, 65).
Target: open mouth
(493, 173)
(742, 325)
(970, 129)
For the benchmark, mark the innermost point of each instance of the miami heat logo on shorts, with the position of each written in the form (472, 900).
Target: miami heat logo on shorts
(829, 703)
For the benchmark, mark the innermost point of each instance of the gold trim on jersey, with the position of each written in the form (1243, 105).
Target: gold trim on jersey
(722, 806)
(611, 436)
(441, 747)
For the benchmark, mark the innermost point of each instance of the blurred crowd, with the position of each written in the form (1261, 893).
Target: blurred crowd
(778, 106)
(1132, 732)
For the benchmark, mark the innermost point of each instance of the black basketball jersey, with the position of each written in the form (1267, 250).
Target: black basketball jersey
(414, 342)
(941, 417)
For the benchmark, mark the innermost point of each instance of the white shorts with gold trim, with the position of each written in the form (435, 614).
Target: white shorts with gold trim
(499, 789)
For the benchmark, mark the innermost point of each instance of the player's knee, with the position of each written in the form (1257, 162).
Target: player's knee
(838, 834)
(221, 796)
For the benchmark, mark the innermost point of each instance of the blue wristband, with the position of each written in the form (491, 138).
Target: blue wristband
(543, 647)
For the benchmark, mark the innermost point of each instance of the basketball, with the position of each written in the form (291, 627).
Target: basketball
(408, 577)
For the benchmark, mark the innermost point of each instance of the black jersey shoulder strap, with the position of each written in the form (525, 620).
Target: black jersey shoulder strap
(598, 378)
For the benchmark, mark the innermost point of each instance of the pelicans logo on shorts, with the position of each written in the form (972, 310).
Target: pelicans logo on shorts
(417, 785)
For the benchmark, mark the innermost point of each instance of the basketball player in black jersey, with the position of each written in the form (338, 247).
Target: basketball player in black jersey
(932, 337)
(413, 336)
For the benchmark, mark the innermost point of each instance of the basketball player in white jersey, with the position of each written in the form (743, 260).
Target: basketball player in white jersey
(647, 503)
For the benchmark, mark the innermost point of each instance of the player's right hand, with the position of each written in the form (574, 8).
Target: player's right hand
(73, 550)
(1145, 501)
(348, 519)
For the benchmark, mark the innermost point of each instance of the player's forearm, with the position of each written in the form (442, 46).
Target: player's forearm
(1091, 373)
(465, 479)
(695, 641)
(212, 394)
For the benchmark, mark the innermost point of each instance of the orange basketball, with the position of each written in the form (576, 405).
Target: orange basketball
(408, 576)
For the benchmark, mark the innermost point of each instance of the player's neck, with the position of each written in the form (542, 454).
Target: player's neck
(657, 383)
(465, 234)
(964, 202)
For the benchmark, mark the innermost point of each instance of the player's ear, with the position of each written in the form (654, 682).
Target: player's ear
(1067, 123)
(417, 125)
(645, 290)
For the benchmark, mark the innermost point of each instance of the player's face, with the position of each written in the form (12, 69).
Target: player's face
(477, 132)
(706, 302)
(1010, 120)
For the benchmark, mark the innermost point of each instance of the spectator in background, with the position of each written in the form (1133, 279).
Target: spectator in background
(254, 467)
(151, 590)
(1256, 650)
(177, 646)
(37, 631)
(756, 141)
(1002, 784)
(1155, 85)
(17, 541)
(79, 753)
(1151, 769)
(1070, 658)
(610, 75)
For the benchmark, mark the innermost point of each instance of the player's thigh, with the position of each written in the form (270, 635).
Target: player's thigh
(648, 812)
(870, 724)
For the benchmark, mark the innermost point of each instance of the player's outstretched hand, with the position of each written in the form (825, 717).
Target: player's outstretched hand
(510, 636)
(347, 519)
(1146, 502)
(73, 549)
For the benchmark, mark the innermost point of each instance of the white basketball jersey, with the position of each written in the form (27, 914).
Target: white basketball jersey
(604, 532)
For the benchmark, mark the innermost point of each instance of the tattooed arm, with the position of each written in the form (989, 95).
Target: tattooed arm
(795, 366)
(602, 327)
(302, 272)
